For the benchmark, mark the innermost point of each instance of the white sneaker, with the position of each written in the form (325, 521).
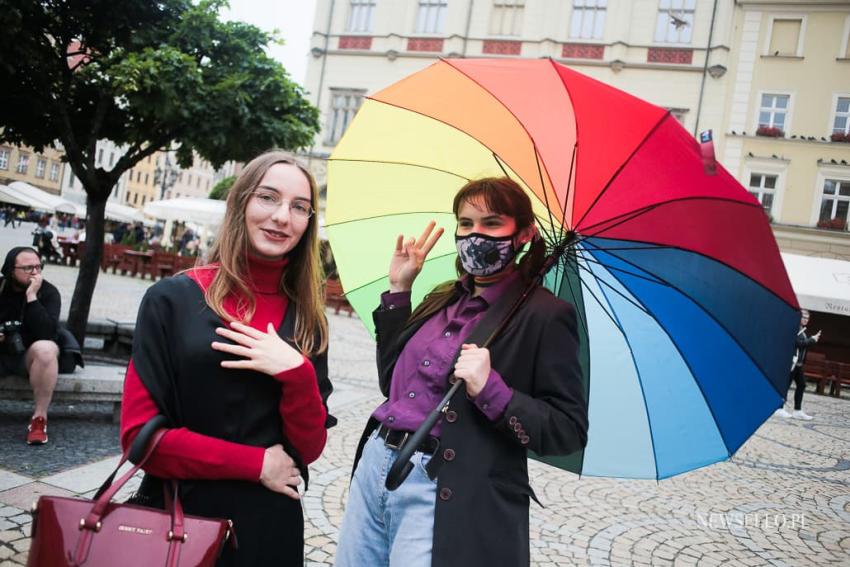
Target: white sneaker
(800, 414)
(782, 412)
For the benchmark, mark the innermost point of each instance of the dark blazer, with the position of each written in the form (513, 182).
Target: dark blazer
(483, 492)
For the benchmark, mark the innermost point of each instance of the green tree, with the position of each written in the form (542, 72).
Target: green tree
(221, 188)
(147, 75)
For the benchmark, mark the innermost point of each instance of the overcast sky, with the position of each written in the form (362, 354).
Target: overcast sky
(292, 18)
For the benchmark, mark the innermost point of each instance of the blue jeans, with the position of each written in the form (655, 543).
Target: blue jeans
(384, 528)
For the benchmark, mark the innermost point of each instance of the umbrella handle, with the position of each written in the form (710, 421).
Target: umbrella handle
(402, 465)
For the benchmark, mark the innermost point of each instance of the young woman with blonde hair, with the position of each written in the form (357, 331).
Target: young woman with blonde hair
(234, 354)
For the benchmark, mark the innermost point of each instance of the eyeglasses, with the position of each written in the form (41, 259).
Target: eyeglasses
(270, 200)
(30, 269)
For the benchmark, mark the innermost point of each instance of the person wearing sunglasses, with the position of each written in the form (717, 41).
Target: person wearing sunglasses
(29, 323)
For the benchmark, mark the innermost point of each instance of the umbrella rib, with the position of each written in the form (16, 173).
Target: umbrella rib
(509, 111)
(549, 236)
(689, 251)
(388, 215)
(569, 184)
(691, 370)
(634, 361)
(581, 318)
(615, 290)
(631, 215)
(608, 267)
(602, 306)
(404, 163)
(367, 284)
(545, 193)
(623, 165)
(708, 313)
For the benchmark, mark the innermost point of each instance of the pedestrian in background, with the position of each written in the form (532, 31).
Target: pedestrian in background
(801, 349)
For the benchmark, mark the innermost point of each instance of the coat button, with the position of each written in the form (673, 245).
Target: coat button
(524, 439)
(447, 334)
(445, 493)
(484, 406)
(426, 363)
(449, 454)
(512, 420)
(411, 395)
(451, 416)
(517, 426)
(390, 419)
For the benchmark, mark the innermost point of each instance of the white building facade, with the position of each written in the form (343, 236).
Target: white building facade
(655, 49)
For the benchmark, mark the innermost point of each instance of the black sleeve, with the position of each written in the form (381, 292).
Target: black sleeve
(554, 414)
(388, 325)
(41, 317)
(804, 340)
(320, 365)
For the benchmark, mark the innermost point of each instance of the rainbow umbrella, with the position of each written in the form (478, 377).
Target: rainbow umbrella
(686, 313)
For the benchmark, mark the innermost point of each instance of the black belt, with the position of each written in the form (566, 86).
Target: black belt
(395, 439)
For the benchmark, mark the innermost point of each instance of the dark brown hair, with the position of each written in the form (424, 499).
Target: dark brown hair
(503, 196)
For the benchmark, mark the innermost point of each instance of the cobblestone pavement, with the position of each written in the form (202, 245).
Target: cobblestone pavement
(782, 500)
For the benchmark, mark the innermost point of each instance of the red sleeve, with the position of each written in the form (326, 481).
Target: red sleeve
(184, 454)
(303, 412)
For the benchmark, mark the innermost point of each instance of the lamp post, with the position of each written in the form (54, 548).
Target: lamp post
(165, 176)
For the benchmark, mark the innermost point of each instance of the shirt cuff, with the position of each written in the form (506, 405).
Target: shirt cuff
(494, 397)
(296, 372)
(390, 300)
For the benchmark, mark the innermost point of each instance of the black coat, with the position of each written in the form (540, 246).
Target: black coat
(174, 361)
(483, 492)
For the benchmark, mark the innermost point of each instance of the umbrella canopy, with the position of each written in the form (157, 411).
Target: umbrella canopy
(686, 314)
(9, 195)
(41, 200)
(116, 212)
(192, 209)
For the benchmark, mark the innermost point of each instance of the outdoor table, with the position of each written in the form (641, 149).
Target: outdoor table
(69, 251)
(139, 261)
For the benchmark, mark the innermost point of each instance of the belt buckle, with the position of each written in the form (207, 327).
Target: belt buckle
(399, 445)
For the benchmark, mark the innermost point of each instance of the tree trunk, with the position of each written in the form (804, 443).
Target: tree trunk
(78, 315)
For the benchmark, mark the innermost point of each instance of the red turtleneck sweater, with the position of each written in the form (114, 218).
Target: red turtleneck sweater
(185, 454)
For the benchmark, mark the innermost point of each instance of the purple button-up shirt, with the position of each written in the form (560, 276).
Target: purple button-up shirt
(420, 376)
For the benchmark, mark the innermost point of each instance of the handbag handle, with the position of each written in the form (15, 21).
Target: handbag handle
(92, 522)
(107, 491)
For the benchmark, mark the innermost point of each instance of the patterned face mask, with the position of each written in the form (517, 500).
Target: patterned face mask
(483, 255)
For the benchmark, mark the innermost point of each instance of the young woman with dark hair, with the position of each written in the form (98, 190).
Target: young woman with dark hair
(466, 501)
(234, 354)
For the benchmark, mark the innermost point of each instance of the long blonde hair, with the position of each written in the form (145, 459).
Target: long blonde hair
(302, 278)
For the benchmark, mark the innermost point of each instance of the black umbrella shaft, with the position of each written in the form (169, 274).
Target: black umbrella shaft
(402, 465)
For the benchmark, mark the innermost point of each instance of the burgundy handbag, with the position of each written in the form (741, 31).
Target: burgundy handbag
(72, 532)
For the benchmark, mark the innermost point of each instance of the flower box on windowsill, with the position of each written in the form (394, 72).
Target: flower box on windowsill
(833, 224)
(839, 137)
(770, 132)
